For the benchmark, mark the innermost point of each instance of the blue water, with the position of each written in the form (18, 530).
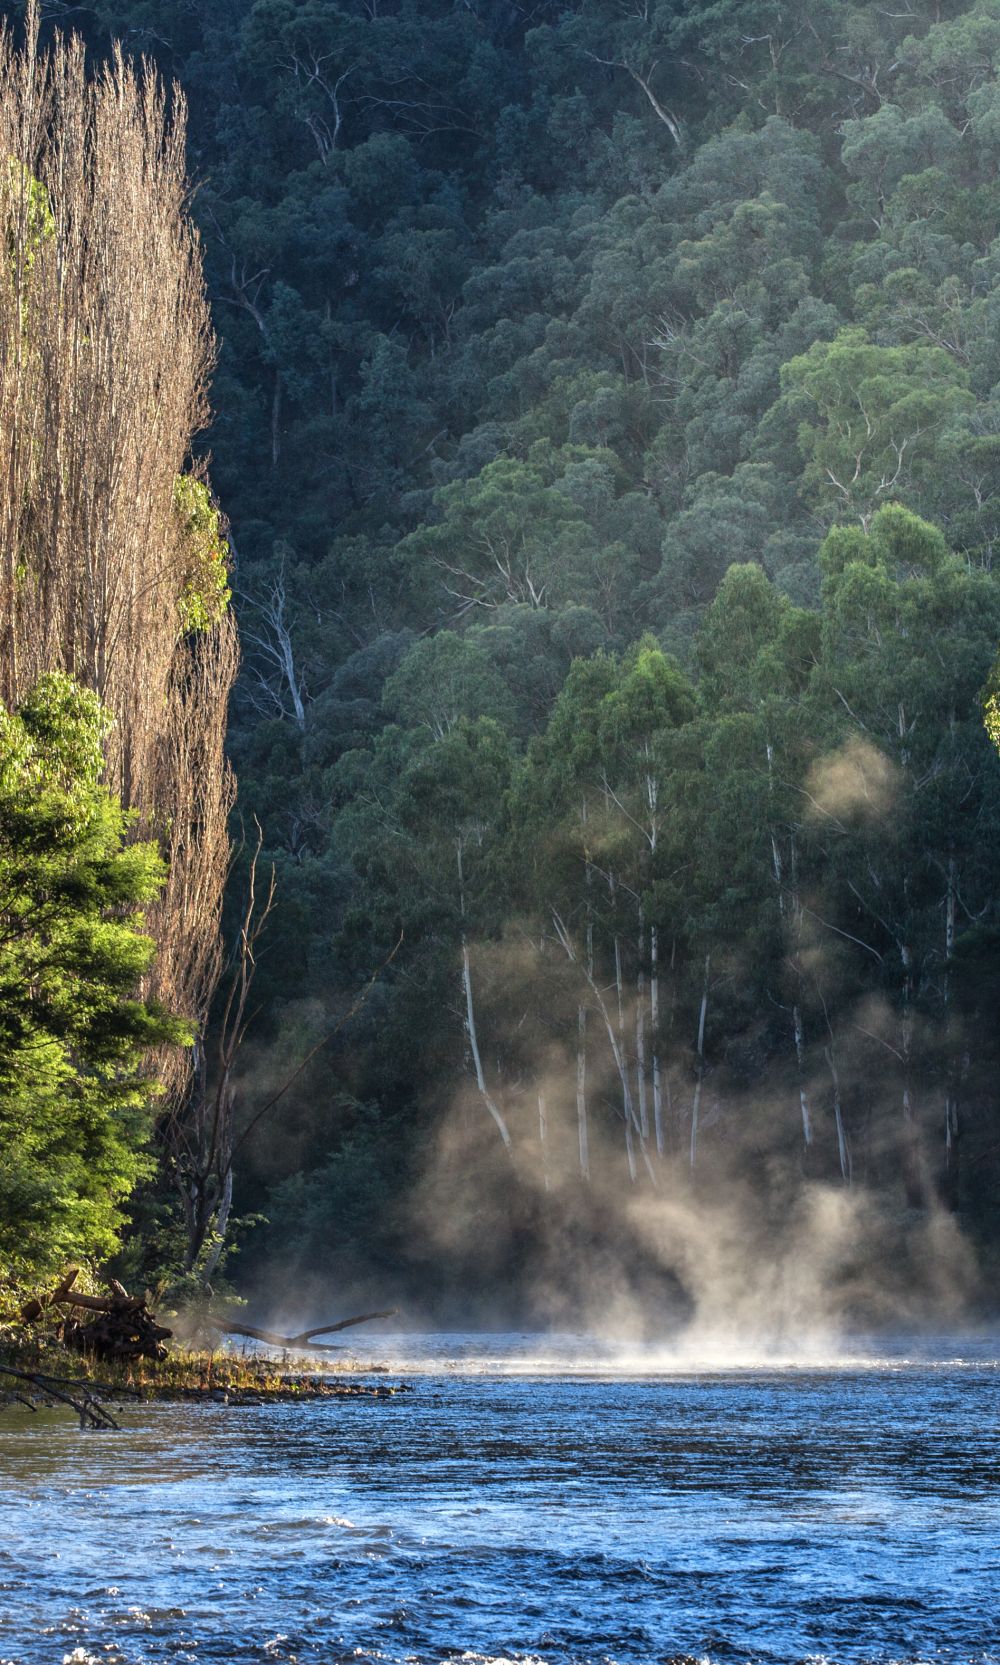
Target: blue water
(558, 1508)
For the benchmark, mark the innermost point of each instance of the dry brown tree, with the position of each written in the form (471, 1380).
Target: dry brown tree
(112, 562)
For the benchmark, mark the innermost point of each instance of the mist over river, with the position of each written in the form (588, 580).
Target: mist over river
(544, 1500)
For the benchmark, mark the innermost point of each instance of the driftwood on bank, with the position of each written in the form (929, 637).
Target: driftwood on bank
(304, 1337)
(122, 1328)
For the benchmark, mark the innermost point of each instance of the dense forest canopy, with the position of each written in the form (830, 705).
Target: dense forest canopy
(608, 416)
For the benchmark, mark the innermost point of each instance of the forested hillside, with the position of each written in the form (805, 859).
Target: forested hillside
(608, 417)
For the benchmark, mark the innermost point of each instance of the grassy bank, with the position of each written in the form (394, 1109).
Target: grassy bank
(220, 1376)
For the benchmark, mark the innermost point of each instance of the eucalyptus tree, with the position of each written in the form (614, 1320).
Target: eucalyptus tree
(905, 805)
(599, 780)
(554, 804)
(423, 823)
(757, 653)
(866, 419)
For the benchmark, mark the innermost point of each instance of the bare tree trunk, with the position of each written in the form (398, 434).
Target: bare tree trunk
(800, 1062)
(633, 1172)
(543, 1139)
(198, 1129)
(654, 1025)
(276, 419)
(843, 1147)
(700, 1072)
(950, 1128)
(621, 1062)
(581, 1090)
(632, 1122)
(912, 1176)
(267, 629)
(220, 1224)
(640, 1034)
(581, 1018)
(950, 908)
(470, 1011)
(617, 1053)
(470, 1029)
(950, 1103)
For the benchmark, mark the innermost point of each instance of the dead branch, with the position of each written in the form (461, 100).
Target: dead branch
(91, 1413)
(304, 1337)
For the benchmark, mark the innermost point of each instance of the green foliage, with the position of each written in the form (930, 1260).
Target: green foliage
(443, 679)
(205, 594)
(869, 419)
(74, 1090)
(29, 214)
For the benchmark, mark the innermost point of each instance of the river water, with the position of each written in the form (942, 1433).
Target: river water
(525, 1502)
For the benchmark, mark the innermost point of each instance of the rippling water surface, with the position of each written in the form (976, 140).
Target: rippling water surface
(523, 1503)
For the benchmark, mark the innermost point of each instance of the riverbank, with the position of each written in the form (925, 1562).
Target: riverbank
(222, 1376)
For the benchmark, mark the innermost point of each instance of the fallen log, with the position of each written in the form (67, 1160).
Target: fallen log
(34, 1308)
(123, 1330)
(304, 1337)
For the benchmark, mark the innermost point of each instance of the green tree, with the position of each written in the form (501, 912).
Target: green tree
(75, 1088)
(868, 418)
(902, 807)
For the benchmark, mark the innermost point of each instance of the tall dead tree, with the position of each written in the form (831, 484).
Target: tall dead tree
(199, 1128)
(112, 564)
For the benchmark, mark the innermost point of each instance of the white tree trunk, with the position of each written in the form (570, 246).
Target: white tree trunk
(628, 1111)
(621, 1065)
(950, 1103)
(699, 1078)
(950, 907)
(543, 1134)
(950, 1129)
(219, 1225)
(640, 1036)
(630, 1147)
(654, 1026)
(581, 1020)
(843, 1147)
(800, 1061)
(470, 1030)
(906, 1032)
(621, 1061)
(581, 1090)
(619, 990)
(470, 1012)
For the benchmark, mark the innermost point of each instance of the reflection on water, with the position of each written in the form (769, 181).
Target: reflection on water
(533, 1502)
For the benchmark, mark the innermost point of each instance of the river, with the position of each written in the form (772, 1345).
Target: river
(550, 1502)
